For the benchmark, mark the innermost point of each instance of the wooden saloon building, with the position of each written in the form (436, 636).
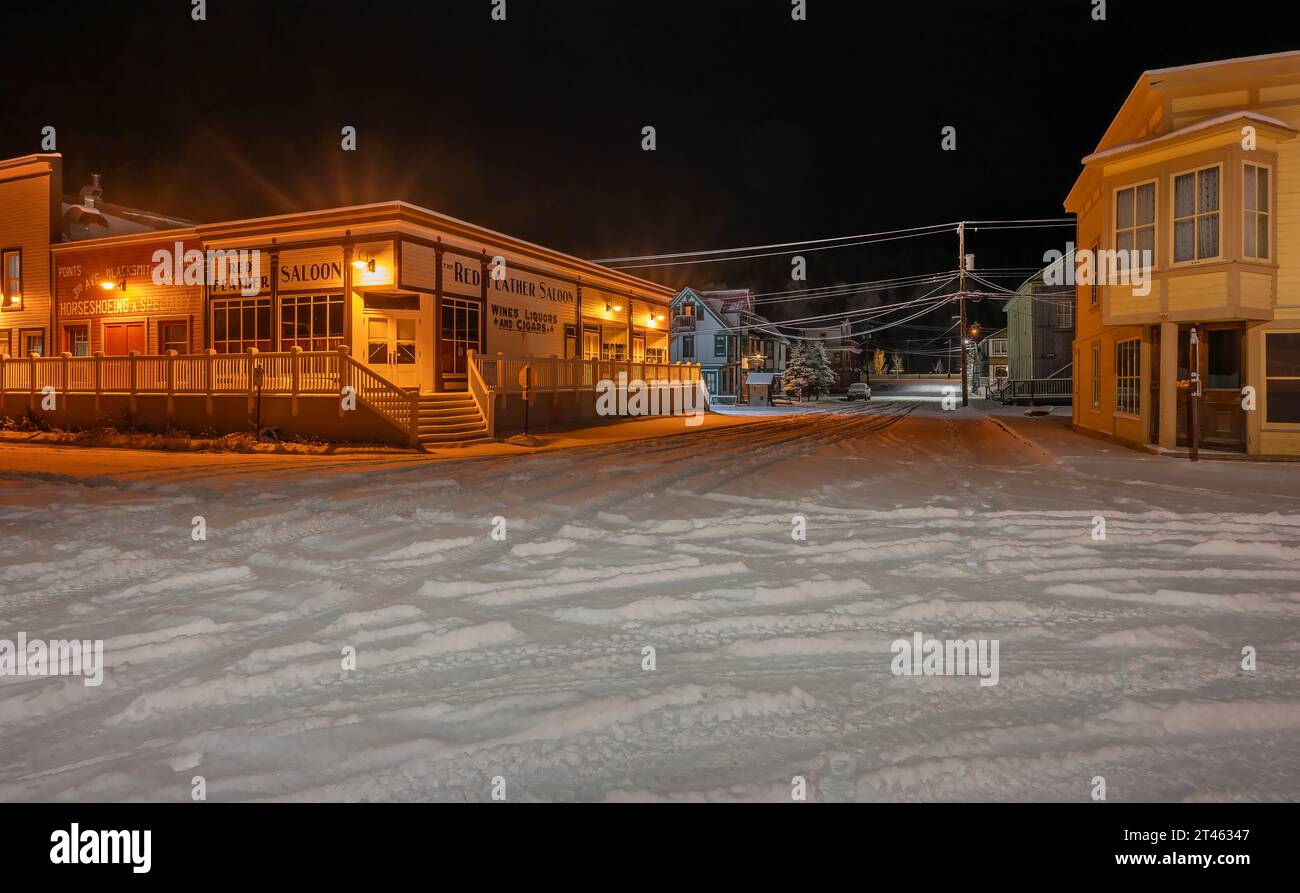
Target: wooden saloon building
(428, 318)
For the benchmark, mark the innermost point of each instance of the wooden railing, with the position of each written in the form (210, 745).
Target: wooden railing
(399, 406)
(291, 373)
(500, 374)
(1031, 390)
(482, 394)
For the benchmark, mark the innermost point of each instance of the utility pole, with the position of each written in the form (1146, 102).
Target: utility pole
(961, 298)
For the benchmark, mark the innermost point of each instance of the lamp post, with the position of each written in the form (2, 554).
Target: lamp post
(1193, 398)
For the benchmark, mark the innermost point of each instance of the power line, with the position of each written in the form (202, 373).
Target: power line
(892, 232)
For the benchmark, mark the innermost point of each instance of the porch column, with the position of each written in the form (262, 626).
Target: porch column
(347, 292)
(437, 317)
(1169, 385)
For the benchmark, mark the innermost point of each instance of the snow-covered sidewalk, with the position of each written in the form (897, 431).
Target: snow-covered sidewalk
(524, 657)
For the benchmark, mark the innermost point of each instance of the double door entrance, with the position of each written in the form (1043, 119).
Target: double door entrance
(398, 342)
(393, 346)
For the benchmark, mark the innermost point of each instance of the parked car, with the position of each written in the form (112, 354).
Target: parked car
(859, 390)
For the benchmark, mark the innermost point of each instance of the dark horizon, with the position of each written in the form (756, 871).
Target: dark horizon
(768, 130)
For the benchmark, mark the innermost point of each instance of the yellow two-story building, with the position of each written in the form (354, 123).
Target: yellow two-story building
(1199, 174)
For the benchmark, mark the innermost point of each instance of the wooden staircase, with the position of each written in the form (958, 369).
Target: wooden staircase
(450, 419)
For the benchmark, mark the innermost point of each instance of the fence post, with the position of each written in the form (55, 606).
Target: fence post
(31, 380)
(555, 384)
(99, 379)
(501, 385)
(133, 357)
(343, 374)
(171, 383)
(252, 360)
(295, 377)
(63, 377)
(208, 362)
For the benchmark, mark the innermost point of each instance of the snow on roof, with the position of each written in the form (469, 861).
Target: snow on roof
(103, 219)
(1209, 124)
(1179, 69)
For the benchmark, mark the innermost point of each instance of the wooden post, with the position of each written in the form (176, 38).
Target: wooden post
(99, 379)
(171, 383)
(208, 362)
(251, 391)
(555, 382)
(295, 377)
(343, 374)
(501, 385)
(437, 316)
(134, 357)
(64, 377)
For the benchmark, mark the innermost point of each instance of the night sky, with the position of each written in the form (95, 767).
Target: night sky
(769, 130)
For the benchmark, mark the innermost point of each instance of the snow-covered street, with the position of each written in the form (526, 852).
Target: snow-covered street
(523, 657)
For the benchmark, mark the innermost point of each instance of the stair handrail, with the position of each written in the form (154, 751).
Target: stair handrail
(484, 396)
(396, 404)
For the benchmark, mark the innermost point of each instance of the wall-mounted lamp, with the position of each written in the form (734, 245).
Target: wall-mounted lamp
(11, 301)
(613, 308)
(367, 265)
(656, 317)
(109, 284)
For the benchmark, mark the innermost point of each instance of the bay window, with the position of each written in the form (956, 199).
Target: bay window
(1196, 215)
(1255, 229)
(1135, 222)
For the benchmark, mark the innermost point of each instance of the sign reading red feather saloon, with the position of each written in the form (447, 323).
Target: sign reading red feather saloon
(514, 299)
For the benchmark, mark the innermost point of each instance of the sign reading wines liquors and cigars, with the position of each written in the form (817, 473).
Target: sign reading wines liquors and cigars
(518, 302)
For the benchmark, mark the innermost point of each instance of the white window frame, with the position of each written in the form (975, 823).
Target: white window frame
(1133, 375)
(1246, 214)
(1196, 217)
(1115, 227)
(1263, 405)
(1096, 376)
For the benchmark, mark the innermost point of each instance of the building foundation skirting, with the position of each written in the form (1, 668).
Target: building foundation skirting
(316, 416)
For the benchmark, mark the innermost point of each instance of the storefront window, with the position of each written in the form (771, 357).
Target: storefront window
(1128, 377)
(175, 336)
(311, 322)
(76, 340)
(1282, 377)
(241, 323)
(459, 329)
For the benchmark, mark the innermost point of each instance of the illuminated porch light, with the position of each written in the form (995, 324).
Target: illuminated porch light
(613, 308)
(367, 265)
(109, 284)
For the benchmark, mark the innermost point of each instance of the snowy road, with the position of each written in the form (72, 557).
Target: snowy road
(522, 658)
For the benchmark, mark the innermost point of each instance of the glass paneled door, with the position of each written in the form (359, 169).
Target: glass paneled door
(393, 346)
(1222, 420)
